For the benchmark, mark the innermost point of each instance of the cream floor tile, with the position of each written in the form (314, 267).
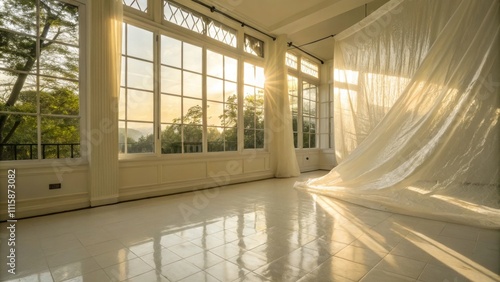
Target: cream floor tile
(201, 276)
(361, 255)
(127, 269)
(74, 269)
(96, 276)
(114, 257)
(161, 257)
(150, 276)
(400, 265)
(179, 270)
(227, 271)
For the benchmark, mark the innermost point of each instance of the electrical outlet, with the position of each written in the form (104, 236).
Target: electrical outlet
(55, 186)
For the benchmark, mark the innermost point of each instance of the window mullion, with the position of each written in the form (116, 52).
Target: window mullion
(156, 93)
(204, 121)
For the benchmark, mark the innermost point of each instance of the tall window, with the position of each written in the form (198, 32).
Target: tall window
(309, 114)
(293, 94)
(182, 97)
(253, 106)
(303, 98)
(222, 102)
(39, 80)
(136, 109)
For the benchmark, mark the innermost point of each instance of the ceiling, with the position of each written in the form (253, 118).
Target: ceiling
(302, 21)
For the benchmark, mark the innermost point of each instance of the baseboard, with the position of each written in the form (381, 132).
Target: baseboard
(46, 205)
(135, 193)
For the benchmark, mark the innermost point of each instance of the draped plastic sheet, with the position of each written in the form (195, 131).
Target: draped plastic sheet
(417, 106)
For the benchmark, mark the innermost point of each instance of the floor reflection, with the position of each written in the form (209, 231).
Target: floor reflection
(259, 231)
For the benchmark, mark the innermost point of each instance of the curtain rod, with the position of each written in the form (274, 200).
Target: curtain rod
(290, 44)
(214, 10)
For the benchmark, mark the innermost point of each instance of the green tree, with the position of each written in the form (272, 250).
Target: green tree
(29, 46)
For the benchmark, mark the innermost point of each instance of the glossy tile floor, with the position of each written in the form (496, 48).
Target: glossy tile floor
(258, 231)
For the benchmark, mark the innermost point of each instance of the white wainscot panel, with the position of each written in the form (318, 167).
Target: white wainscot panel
(255, 164)
(138, 176)
(184, 172)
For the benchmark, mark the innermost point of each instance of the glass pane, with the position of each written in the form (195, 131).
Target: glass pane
(312, 125)
(19, 16)
(139, 43)
(295, 123)
(62, 19)
(140, 105)
(192, 57)
(122, 103)
(140, 137)
(17, 52)
(249, 117)
(193, 138)
(139, 74)
(260, 78)
(291, 60)
(259, 118)
(259, 139)
(171, 51)
(312, 143)
(249, 135)
(231, 92)
(231, 139)
(171, 80)
(121, 137)
(312, 92)
(249, 73)
(192, 85)
(140, 5)
(59, 96)
(254, 46)
(306, 107)
(193, 111)
(230, 69)
(171, 109)
(305, 140)
(230, 117)
(60, 60)
(306, 124)
(122, 71)
(215, 63)
(215, 113)
(313, 108)
(171, 139)
(215, 139)
(22, 145)
(27, 96)
(60, 137)
(215, 89)
(249, 93)
(221, 33)
(295, 140)
(292, 85)
(259, 97)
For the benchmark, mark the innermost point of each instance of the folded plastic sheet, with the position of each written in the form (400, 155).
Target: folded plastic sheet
(417, 106)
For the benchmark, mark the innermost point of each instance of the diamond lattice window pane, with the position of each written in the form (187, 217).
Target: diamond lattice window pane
(140, 5)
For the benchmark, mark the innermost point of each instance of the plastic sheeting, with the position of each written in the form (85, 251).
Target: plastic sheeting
(417, 106)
